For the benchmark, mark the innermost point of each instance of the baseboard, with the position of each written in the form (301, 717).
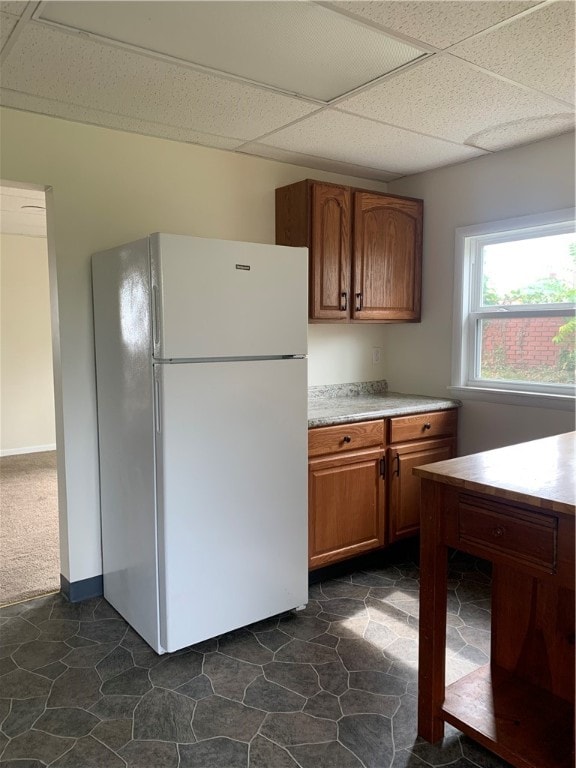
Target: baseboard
(29, 449)
(83, 589)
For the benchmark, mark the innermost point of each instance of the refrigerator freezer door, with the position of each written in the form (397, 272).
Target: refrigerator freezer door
(219, 298)
(232, 495)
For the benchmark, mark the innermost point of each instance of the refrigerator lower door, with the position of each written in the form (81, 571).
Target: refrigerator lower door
(232, 495)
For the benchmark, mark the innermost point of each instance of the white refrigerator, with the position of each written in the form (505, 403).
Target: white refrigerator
(201, 377)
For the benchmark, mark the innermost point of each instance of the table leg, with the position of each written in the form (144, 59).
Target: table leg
(433, 599)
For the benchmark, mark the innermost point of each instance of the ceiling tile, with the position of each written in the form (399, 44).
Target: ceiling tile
(522, 132)
(427, 97)
(69, 69)
(43, 106)
(301, 48)
(318, 163)
(536, 50)
(440, 24)
(438, 111)
(14, 7)
(338, 136)
(7, 24)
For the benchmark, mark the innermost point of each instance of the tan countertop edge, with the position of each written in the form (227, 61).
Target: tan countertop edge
(345, 410)
(540, 472)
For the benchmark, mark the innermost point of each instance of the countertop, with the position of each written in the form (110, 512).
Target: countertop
(540, 472)
(345, 403)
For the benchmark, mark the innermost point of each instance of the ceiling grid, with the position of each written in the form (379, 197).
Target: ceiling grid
(377, 89)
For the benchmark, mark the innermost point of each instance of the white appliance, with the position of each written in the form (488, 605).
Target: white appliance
(202, 419)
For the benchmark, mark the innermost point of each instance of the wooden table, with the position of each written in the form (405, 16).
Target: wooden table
(515, 507)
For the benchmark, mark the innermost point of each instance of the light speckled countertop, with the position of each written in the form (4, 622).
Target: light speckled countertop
(345, 403)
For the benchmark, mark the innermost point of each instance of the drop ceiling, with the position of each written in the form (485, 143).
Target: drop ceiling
(373, 89)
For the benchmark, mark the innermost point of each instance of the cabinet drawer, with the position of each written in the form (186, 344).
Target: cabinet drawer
(422, 425)
(345, 437)
(521, 535)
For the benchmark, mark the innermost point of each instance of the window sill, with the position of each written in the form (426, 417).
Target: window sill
(507, 397)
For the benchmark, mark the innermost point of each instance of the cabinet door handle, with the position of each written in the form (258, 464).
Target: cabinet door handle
(397, 460)
(359, 300)
(346, 439)
(427, 425)
(344, 302)
(383, 468)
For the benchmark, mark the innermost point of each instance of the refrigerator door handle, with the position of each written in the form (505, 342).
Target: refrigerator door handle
(157, 401)
(156, 317)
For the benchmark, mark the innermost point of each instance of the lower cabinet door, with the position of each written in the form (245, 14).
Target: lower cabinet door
(404, 487)
(346, 506)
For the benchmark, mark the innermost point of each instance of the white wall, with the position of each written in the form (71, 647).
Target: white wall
(110, 187)
(342, 353)
(26, 381)
(532, 179)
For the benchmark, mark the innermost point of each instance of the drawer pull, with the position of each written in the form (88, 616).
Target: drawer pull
(342, 438)
(517, 534)
(427, 425)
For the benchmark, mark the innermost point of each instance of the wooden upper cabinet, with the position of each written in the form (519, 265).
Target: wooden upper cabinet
(387, 257)
(330, 261)
(365, 250)
(318, 216)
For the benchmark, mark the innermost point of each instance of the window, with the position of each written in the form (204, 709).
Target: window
(514, 315)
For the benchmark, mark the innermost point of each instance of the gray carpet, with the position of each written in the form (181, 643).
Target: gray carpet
(29, 541)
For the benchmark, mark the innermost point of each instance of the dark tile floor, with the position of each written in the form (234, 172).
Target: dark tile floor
(333, 686)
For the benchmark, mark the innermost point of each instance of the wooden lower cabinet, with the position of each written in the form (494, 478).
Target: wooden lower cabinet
(346, 506)
(362, 494)
(404, 487)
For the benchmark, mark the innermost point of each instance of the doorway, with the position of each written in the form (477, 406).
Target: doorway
(29, 535)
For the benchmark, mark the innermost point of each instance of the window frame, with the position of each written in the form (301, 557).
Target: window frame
(468, 311)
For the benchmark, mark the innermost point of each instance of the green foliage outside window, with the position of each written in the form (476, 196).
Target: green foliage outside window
(546, 290)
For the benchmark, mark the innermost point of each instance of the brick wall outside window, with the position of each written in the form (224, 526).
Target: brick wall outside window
(522, 341)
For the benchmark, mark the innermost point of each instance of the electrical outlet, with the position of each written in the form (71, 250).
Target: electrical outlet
(376, 355)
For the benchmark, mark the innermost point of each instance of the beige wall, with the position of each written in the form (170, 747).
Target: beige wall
(110, 187)
(531, 179)
(26, 382)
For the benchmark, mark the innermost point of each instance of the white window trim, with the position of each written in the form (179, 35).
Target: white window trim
(462, 330)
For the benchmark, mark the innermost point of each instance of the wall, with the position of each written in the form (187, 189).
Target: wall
(26, 381)
(532, 179)
(110, 187)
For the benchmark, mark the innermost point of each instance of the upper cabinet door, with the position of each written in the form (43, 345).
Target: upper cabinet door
(387, 257)
(330, 257)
